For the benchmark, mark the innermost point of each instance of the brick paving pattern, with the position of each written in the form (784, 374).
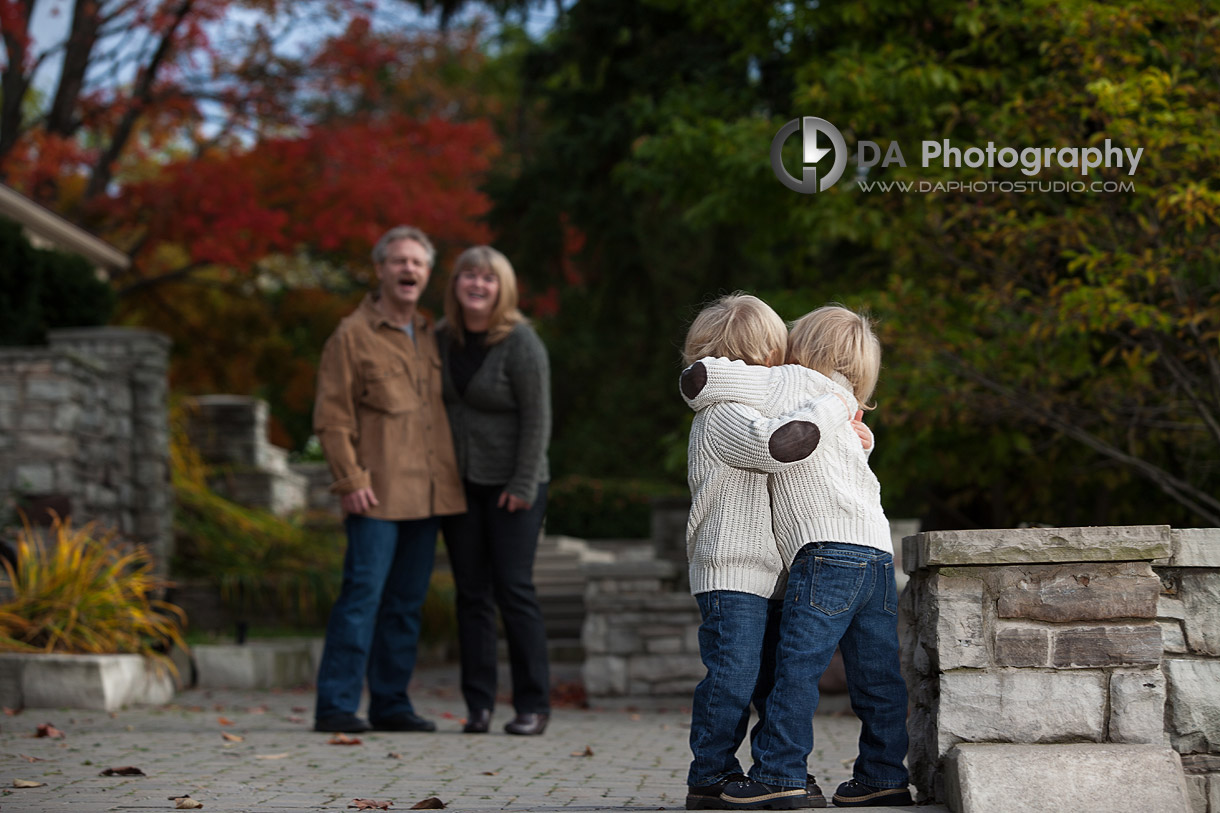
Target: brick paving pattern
(637, 757)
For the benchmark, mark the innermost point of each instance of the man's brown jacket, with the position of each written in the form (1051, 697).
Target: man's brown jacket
(381, 420)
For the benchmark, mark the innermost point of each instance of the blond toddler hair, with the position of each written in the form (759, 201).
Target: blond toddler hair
(739, 327)
(834, 339)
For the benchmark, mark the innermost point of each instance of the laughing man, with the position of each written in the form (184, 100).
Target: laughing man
(381, 422)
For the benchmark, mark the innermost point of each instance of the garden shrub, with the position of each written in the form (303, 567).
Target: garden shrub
(42, 289)
(85, 592)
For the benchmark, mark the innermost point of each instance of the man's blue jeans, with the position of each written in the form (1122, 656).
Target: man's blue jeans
(374, 626)
(737, 643)
(838, 594)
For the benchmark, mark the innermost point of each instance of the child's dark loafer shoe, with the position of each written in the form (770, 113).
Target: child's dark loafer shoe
(816, 797)
(857, 794)
(752, 795)
(707, 797)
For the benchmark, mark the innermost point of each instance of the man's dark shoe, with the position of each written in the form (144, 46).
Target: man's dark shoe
(857, 794)
(752, 795)
(407, 721)
(477, 722)
(341, 723)
(816, 797)
(528, 725)
(707, 797)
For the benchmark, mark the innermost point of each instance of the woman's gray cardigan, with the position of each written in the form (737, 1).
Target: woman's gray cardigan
(502, 423)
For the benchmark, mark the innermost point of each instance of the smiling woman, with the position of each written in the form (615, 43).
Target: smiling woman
(497, 390)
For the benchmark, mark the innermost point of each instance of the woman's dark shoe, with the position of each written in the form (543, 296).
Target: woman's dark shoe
(477, 722)
(528, 725)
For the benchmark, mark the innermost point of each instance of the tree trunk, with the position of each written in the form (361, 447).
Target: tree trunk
(86, 19)
(14, 81)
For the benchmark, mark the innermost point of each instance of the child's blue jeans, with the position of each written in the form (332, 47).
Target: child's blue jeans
(737, 643)
(844, 595)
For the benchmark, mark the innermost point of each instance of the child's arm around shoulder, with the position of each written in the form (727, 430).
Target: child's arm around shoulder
(745, 439)
(713, 380)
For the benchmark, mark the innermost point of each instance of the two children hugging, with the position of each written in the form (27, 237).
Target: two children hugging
(790, 555)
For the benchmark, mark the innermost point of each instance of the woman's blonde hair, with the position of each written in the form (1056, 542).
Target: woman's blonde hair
(739, 327)
(833, 339)
(505, 315)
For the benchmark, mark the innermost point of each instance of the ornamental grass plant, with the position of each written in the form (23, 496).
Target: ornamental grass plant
(85, 591)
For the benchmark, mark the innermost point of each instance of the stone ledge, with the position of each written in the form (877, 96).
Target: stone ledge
(107, 334)
(279, 664)
(95, 682)
(1195, 547)
(641, 569)
(1121, 543)
(1084, 778)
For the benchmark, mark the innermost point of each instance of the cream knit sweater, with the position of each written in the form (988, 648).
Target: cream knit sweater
(730, 544)
(833, 496)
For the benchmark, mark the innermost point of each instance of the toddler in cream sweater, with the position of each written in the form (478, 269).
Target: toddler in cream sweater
(737, 573)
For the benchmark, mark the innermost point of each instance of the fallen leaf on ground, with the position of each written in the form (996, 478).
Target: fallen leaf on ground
(343, 739)
(26, 783)
(48, 730)
(490, 773)
(126, 770)
(271, 756)
(292, 718)
(393, 755)
(10, 712)
(588, 752)
(257, 710)
(224, 721)
(31, 759)
(370, 804)
(185, 803)
(232, 737)
(448, 715)
(300, 709)
(634, 717)
(431, 803)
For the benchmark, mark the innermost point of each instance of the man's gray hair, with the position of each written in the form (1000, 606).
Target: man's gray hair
(403, 233)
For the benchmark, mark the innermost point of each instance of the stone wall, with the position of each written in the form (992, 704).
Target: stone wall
(640, 636)
(84, 428)
(1064, 635)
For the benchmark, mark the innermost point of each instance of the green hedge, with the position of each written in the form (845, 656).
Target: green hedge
(603, 508)
(41, 289)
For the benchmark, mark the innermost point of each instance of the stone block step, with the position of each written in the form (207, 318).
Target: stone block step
(1081, 777)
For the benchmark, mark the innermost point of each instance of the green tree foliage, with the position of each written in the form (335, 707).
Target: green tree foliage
(627, 271)
(42, 289)
(1050, 355)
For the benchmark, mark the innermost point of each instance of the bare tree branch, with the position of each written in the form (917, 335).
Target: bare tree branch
(1182, 492)
(103, 170)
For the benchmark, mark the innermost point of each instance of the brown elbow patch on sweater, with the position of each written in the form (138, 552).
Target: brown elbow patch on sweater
(794, 441)
(694, 379)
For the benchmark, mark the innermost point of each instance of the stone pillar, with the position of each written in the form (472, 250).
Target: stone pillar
(1189, 615)
(1040, 635)
(230, 432)
(133, 365)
